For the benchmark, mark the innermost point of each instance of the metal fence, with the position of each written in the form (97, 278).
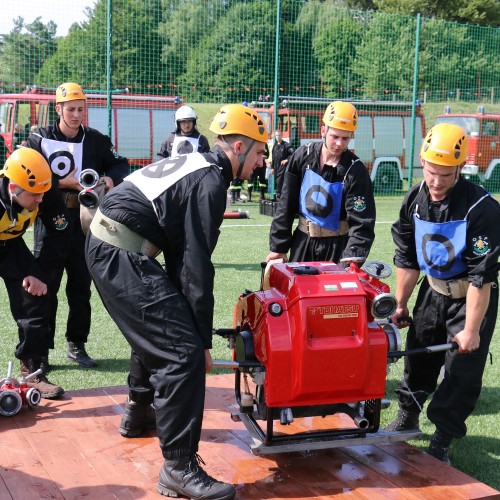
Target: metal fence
(287, 58)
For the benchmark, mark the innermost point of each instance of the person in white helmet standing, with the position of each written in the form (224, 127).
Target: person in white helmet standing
(186, 138)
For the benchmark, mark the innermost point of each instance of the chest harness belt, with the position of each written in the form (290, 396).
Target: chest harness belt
(120, 236)
(440, 246)
(320, 204)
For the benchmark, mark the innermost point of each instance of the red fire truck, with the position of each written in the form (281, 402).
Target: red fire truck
(140, 123)
(483, 129)
(382, 140)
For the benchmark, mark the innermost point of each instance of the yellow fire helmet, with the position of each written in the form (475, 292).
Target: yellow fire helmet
(341, 115)
(445, 144)
(29, 170)
(239, 119)
(69, 92)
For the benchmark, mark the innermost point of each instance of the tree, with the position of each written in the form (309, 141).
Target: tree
(482, 12)
(186, 24)
(25, 49)
(137, 46)
(136, 49)
(350, 4)
(457, 57)
(235, 61)
(384, 61)
(335, 34)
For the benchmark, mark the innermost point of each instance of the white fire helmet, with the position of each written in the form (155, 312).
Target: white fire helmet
(185, 113)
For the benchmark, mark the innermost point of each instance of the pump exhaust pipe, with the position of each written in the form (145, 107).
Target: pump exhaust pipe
(361, 422)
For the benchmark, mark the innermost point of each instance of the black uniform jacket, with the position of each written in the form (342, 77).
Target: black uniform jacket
(183, 221)
(98, 151)
(16, 260)
(166, 147)
(483, 234)
(358, 203)
(281, 151)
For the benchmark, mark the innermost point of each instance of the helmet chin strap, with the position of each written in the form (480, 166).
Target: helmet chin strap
(241, 157)
(14, 194)
(324, 138)
(457, 175)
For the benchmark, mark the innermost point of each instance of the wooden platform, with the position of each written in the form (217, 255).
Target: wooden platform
(71, 449)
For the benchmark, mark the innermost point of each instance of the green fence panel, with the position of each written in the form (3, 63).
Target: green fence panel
(140, 59)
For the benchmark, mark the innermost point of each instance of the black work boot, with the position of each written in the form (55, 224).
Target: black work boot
(77, 353)
(138, 417)
(184, 477)
(439, 445)
(405, 421)
(40, 382)
(44, 364)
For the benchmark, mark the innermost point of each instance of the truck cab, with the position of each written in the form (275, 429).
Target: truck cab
(483, 130)
(382, 140)
(139, 123)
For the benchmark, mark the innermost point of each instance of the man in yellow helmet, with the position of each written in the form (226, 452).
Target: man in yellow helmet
(330, 188)
(70, 147)
(174, 206)
(24, 182)
(448, 230)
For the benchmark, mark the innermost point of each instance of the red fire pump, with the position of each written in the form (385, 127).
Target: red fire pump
(16, 393)
(315, 340)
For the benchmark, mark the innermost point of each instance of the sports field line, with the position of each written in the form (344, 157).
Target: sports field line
(268, 225)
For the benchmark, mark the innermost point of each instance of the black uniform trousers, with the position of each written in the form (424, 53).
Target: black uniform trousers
(78, 280)
(279, 178)
(31, 314)
(168, 359)
(436, 320)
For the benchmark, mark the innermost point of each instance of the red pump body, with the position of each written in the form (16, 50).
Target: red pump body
(314, 333)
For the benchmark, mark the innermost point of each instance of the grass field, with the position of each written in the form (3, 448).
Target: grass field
(243, 244)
